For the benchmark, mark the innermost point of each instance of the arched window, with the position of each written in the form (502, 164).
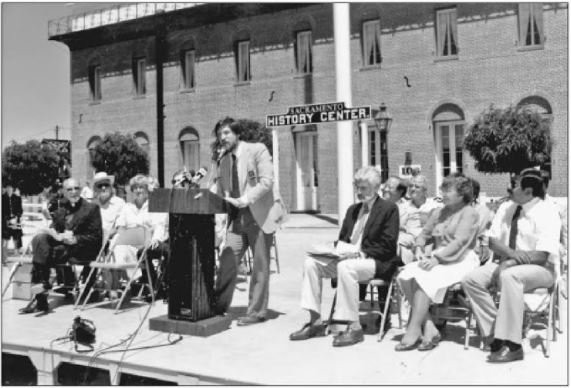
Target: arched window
(448, 122)
(93, 142)
(143, 141)
(190, 148)
(543, 107)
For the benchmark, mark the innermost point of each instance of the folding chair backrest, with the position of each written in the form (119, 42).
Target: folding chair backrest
(138, 237)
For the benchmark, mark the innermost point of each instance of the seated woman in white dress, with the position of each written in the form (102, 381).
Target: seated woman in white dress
(452, 230)
(135, 214)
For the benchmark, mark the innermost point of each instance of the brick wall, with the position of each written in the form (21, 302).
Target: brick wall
(490, 69)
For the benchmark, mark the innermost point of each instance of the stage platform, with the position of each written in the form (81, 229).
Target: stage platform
(263, 354)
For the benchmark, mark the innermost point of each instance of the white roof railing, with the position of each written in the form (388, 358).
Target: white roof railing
(111, 15)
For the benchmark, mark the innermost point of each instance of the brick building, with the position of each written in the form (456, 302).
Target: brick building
(434, 65)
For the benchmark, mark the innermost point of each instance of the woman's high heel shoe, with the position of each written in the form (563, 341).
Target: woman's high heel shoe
(400, 347)
(429, 345)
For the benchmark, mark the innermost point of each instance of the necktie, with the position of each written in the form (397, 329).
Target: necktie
(235, 193)
(358, 230)
(513, 228)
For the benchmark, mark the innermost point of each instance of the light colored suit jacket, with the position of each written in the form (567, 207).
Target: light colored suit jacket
(256, 179)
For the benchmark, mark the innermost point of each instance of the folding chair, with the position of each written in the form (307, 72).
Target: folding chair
(24, 258)
(137, 237)
(386, 308)
(454, 308)
(544, 303)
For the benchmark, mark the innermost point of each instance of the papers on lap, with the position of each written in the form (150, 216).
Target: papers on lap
(328, 250)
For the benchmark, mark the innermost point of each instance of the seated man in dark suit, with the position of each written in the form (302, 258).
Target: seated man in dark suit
(371, 227)
(81, 238)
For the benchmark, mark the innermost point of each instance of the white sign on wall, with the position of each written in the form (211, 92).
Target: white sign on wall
(408, 171)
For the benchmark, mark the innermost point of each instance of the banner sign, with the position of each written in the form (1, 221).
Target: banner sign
(318, 113)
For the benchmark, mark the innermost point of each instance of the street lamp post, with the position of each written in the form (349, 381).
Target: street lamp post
(383, 121)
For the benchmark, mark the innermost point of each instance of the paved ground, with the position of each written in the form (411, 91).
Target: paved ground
(263, 353)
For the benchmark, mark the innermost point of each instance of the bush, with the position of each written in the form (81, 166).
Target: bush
(120, 155)
(508, 140)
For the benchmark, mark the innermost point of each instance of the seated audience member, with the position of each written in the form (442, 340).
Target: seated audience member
(395, 191)
(109, 204)
(413, 217)
(87, 193)
(80, 238)
(561, 208)
(371, 227)
(135, 214)
(452, 231)
(524, 238)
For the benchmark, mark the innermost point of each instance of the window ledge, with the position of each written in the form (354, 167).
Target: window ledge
(242, 83)
(447, 58)
(302, 75)
(139, 97)
(530, 48)
(186, 91)
(97, 102)
(370, 67)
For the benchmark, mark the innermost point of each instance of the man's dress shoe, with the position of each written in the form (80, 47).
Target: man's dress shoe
(348, 337)
(249, 320)
(308, 331)
(506, 355)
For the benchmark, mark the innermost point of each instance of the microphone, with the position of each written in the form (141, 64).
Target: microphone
(201, 173)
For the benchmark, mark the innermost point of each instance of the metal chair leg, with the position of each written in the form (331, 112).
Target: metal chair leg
(328, 329)
(385, 311)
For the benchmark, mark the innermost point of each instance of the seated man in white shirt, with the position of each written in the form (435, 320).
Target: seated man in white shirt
(561, 208)
(413, 216)
(371, 227)
(524, 238)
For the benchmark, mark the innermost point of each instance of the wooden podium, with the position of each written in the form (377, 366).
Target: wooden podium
(192, 261)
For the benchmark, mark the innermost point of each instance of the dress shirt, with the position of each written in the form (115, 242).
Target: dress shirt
(362, 218)
(110, 211)
(413, 218)
(157, 223)
(538, 227)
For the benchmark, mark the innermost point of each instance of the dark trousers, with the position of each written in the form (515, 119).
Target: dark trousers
(49, 253)
(244, 232)
(15, 233)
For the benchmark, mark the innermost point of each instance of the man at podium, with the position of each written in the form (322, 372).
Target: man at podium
(246, 181)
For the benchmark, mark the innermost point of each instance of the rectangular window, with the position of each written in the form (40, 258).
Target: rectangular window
(95, 82)
(187, 67)
(243, 61)
(303, 52)
(139, 76)
(446, 33)
(530, 18)
(372, 43)
(378, 154)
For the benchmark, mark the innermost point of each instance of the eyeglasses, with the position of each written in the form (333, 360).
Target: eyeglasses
(73, 188)
(103, 186)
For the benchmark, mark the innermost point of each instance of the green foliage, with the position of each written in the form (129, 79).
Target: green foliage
(31, 166)
(508, 140)
(120, 155)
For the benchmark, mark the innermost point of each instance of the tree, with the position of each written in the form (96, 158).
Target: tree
(120, 155)
(508, 140)
(31, 166)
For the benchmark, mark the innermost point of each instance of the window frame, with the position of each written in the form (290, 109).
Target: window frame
(240, 71)
(535, 12)
(190, 160)
(94, 75)
(378, 57)
(140, 76)
(451, 32)
(453, 151)
(378, 150)
(188, 68)
(304, 40)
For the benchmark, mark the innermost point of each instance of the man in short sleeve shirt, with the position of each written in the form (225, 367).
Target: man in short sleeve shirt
(524, 238)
